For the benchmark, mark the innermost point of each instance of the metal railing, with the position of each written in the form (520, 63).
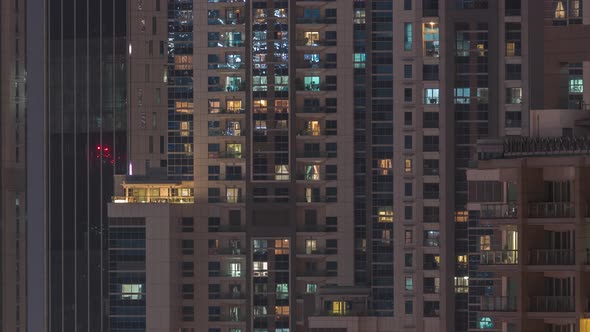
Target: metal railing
(552, 303)
(153, 199)
(551, 210)
(498, 257)
(552, 257)
(497, 303)
(498, 211)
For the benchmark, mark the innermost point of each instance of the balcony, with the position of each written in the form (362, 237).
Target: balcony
(314, 42)
(313, 228)
(315, 20)
(552, 257)
(153, 199)
(498, 211)
(229, 155)
(310, 132)
(226, 132)
(225, 21)
(345, 313)
(498, 257)
(551, 210)
(498, 303)
(226, 251)
(227, 228)
(226, 111)
(314, 274)
(552, 304)
(314, 252)
(223, 199)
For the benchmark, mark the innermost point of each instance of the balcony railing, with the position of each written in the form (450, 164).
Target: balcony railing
(498, 211)
(310, 132)
(551, 210)
(552, 257)
(312, 228)
(552, 304)
(153, 199)
(226, 132)
(498, 257)
(226, 251)
(315, 20)
(498, 303)
(345, 313)
(228, 228)
(226, 111)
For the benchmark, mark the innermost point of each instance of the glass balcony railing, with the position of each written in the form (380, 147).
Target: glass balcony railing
(551, 210)
(498, 211)
(498, 257)
(153, 199)
(552, 257)
(552, 304)
(497, 303)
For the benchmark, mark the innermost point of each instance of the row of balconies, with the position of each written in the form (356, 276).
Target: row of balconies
(534, 304)
(535, 257)
(534, 209)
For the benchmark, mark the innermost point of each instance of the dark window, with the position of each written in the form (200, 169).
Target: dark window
(430, 143)
(407, 118)
(407, 71)
(513, 119)
(407, 4)
(331, 172)
(430, 72)
(408, 189)
(330, 12)
(431, 167)
(407, 142)
(430, 120)
(512, 8)
(408, 212)
(187, 224)
(430, 214)
(431, 190)
(407, 94)
(331, 194)
(513, 71)
(213, 172)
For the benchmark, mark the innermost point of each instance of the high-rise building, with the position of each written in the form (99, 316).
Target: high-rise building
(527, 234)
(76, 143)
(301, 165)
(12, 167)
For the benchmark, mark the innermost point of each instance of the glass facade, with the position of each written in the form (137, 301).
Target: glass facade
(86, 147)
(179, 77)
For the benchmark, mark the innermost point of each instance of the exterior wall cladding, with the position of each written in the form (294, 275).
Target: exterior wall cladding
(302, 165)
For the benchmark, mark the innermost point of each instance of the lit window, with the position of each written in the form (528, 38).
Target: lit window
(183, 62)
(485, 242)
(260, 106)
(235, 269)
(281, 172)
(312, 38)
(462, 285)
(385, 166)
(408, 165)
(311, 288)
(185, 107)
(409, 283)
(359, 16)
(282, 310)
(486, 323)
(339, 307)
(462, 95)
(431, 96)
(311, 83)
(282, 247)
(132, 291)
(184, 128)
(310, 246)
(312, 172)
(282, 291)
(461, 216)
(431, 39)
(234, 106)
(559, 10)
(513, 95)
(408, 237)
(385, 214)
(576, 85)
(407, 36)
(233, 195)
(233, 150)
